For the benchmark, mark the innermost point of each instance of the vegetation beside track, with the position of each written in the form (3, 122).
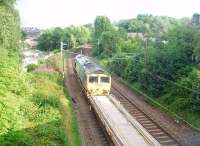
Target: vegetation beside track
(30, 105)
(50, 84)
(158, 55)
(57, 107)
(162, 66)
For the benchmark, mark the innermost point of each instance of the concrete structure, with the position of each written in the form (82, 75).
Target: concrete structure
(196, 20)
(136, 34)
(123, 129)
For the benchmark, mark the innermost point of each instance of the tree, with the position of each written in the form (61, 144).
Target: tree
(196, 51)
(109, 41)
(56, 37)
(101, 24)
(117, 65)
(69, 39)
(136, 26)
(124, 24)
(50, 39)
(44, 41)
(9, 3)
(154, 26)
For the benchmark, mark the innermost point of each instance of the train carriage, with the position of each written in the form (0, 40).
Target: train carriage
(94, 79)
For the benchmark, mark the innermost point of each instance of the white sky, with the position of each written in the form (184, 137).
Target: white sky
(52, 13)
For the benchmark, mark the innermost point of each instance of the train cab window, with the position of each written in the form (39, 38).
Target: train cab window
(104, 79)
(93, 79)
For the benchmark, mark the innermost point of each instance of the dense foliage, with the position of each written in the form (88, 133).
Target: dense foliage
(39, 114)
(9, 69)
(29, 102)
(72, 36)
(101, 25)
(154, 26)
(158, 55)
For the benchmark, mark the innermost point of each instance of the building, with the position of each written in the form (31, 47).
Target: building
(31, 32)
(136, 34)
(196, 20)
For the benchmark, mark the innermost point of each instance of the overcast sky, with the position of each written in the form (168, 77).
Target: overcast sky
(52, 13)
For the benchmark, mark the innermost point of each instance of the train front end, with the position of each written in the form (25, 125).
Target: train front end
(98, 84)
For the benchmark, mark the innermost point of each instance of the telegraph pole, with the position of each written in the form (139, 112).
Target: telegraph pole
(145, 53)
(98, 46)
(61, 55)
(146, 59)
(62, 58)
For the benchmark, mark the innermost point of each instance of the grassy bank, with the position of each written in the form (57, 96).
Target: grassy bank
(33, 118)
(36, 110)
(52, 86)
(30, 105)
(49, 94)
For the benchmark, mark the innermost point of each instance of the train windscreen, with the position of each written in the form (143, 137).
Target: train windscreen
(104, 79)
(93, 79)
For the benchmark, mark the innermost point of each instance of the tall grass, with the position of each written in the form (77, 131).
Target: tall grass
(38, 115)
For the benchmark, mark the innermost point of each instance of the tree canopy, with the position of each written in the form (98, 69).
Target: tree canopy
(158, 55)
(101, 24)
(72, 36)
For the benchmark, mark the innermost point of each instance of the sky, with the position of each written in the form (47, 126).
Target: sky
(53, 13)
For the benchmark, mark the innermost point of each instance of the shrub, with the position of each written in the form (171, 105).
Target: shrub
(31, 67)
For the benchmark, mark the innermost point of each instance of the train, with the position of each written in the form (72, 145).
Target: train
(94, 80)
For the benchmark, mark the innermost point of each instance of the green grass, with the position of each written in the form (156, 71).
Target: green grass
(35, 117)
(50, 94)
(65, 102)
(192, 118)
(72, 134)
(30, 109)
(41, 121)
(104, 62)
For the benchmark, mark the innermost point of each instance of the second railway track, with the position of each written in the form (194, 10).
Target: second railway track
(146, 121)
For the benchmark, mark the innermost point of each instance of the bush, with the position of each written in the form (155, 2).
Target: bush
(55, 62)
(31, 67)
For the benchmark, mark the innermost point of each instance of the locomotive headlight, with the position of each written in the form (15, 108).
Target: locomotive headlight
(90, 91)
(105, 91)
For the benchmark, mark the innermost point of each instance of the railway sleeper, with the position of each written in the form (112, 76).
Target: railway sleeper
(137, 114)
(156, 134)
(154, 130)
(122, 100)
(168, 142)
(145, 121)
(174, 144)
(163, 138)
(142, 119)
(151, 127)
(140, 116)
(132, 110)
(130, 106)
(148, 124)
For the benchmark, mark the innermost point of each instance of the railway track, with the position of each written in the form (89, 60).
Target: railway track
(146, 121)
(90, 128)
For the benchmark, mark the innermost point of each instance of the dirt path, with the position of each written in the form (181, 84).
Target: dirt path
(90, 130)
